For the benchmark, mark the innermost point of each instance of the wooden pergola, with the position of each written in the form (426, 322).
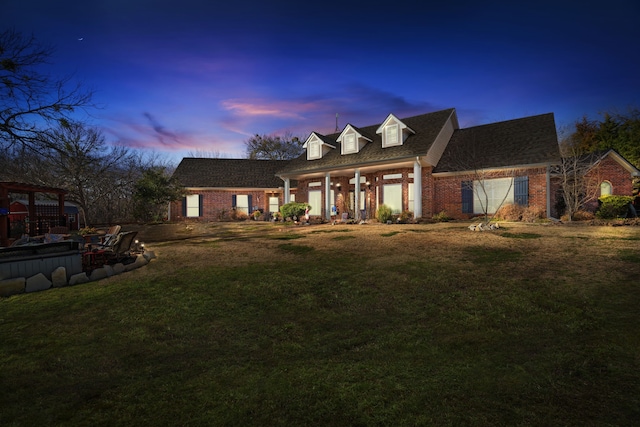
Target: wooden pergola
(7, 188)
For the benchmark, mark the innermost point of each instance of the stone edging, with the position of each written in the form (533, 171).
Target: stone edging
(40, 282)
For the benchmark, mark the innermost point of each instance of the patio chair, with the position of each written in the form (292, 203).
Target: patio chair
(120, 250)
(111, 235)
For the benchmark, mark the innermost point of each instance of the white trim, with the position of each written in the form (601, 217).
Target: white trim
(392, 176)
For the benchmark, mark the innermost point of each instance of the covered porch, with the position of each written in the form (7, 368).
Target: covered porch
(358, 191)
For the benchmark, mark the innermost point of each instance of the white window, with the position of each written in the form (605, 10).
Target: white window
(314, 150)
(605, 188)
(392, 197)
(391, 135)
(273, 204)
(410, 194)
(349, 143)
(242, 203)
(490, 194)
(292, 197)
(315, 200)
(193, 205)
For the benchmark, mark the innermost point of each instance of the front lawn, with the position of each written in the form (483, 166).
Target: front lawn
(387, 325)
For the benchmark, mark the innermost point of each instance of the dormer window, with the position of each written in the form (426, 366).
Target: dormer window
(393, 132)
(317, 146)
(314, 150)
(350, 143)
(391, 135)
(352, 140)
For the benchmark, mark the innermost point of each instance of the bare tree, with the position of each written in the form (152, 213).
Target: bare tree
(274, 147)
(206, 154)
(77, 158)
(579, 181)
(32, 102)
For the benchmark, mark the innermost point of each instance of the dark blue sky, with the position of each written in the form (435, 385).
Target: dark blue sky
(181, 76)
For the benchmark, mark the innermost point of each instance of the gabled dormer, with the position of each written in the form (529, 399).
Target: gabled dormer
(317, 146)
(352, 140)
(393, 132)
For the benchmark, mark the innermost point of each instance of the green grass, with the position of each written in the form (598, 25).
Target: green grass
(453, 336)
(521, 235)
(630, 255)
(340, 230)
(299, 249)
(289, 236)
(343, 237)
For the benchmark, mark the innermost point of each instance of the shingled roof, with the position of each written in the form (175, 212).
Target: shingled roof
(426, 126)
(520, 142)
(229, 173)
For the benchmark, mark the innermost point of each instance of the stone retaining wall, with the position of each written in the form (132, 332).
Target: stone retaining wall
(40, 282)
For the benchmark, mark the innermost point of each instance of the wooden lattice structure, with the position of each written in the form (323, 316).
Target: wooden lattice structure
(6, 188)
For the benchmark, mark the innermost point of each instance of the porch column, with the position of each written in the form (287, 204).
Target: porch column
(327, 196)
(356, 196)
(287, 190)
(417, 189)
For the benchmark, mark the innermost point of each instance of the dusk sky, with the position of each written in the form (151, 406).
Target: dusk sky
(176, 77)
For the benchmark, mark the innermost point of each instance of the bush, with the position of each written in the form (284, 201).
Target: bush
(531, 214)
(235, 215)
(384, 213)
(613, 207)
(258, 214)
(293, 210)
(583, 216)
(405, 217)
(442, 216)
(510, 212)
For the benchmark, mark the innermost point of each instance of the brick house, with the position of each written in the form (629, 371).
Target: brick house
(216, 187)
(424, 164)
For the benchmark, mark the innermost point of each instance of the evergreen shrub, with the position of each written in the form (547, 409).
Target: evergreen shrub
(613, 206)
(384, 213)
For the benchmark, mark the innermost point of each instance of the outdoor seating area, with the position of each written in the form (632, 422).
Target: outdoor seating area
(35, 263)
(114, 248)
(104, 247)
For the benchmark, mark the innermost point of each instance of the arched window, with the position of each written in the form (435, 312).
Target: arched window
(605, 188)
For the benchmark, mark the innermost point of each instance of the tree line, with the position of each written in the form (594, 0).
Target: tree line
(45, 140)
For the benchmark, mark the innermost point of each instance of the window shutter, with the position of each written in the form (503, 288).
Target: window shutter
(467, 196)
(200, 207)
(521, 190)
(184, 206)
(233, 200)
(250, 205)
